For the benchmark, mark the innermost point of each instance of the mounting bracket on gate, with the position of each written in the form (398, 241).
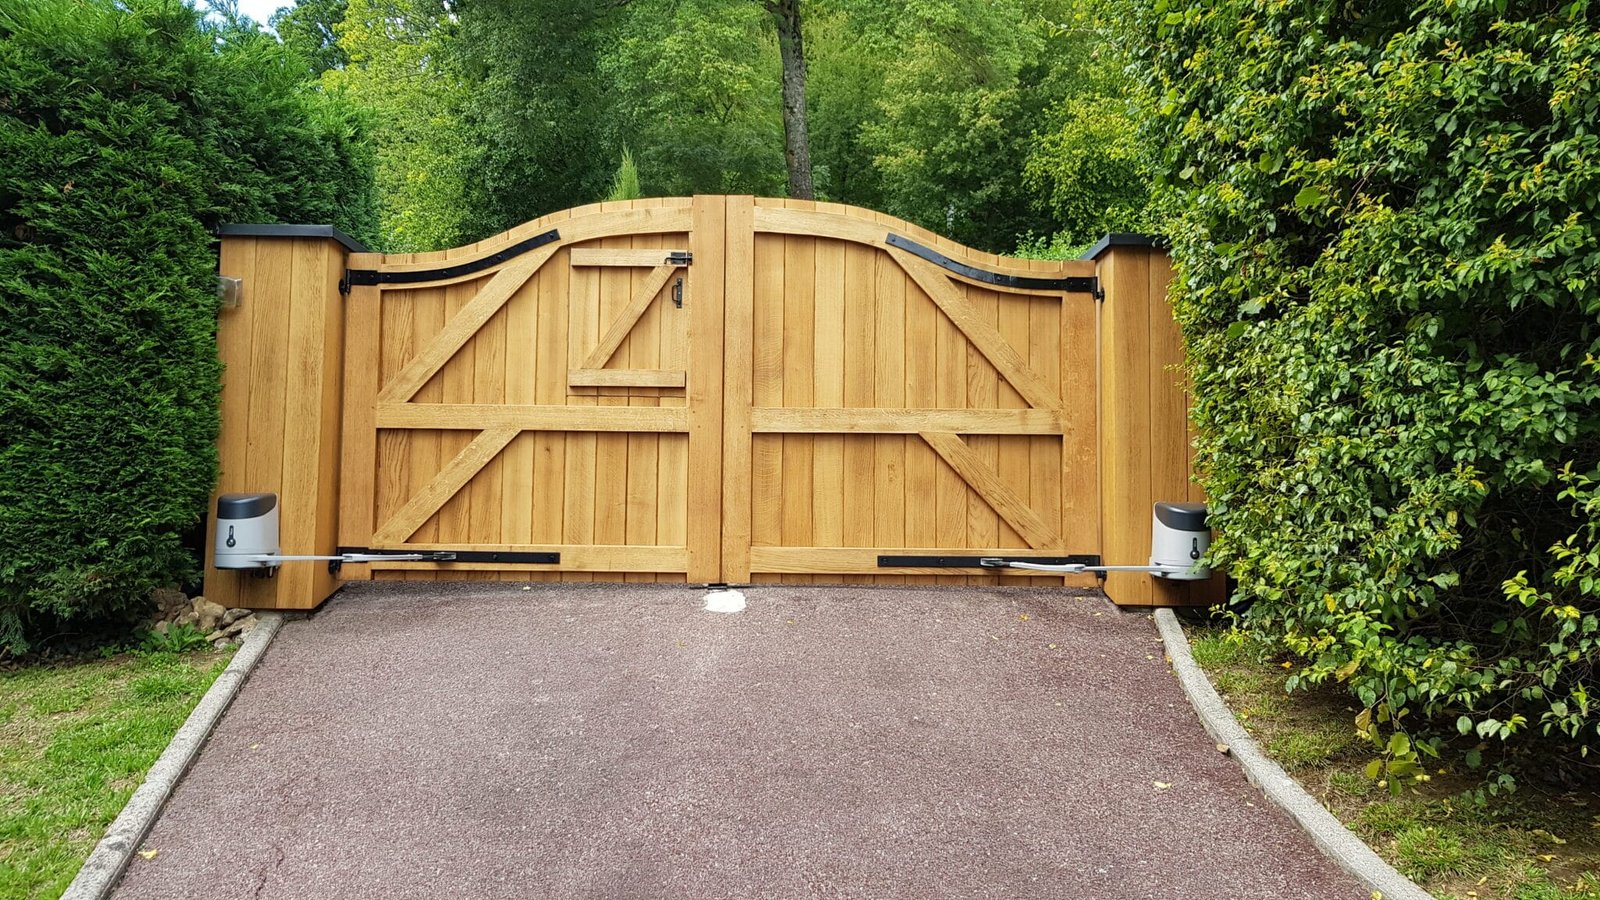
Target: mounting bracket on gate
(680, 258)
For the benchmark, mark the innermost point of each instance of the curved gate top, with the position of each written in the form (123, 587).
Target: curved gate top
(726, 389)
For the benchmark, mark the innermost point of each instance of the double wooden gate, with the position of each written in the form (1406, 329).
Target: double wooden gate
(716, 389)
(719, 389)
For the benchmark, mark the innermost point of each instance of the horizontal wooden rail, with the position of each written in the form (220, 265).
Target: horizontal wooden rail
(453, 416)
(584, 256)
(646, 378)
(904, 421)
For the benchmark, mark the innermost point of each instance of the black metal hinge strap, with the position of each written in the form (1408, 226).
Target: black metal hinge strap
(680, 258)
(1082, 284)
(976, 562)
(379, 276)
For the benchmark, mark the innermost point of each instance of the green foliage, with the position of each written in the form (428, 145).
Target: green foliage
(697, 88)
(404, 68)
(178, 638)
(539, 117)
(1384, 216)
(128, 130)
(625, 186)
(988, 121)
(310, 29)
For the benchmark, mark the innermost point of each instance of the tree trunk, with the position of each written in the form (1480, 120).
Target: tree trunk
(796, 136)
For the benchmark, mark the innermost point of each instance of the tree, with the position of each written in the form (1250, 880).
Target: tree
(310, 28)
(403, 66)
(796, 137)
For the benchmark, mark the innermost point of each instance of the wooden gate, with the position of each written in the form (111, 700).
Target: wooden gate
(716, 389)
(719, 389)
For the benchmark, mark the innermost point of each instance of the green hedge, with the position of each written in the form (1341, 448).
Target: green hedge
(128, 130)
(1385, 219)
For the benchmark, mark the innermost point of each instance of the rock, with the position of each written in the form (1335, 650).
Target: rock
(207, 614)
(218, 645)
(217, 637)
(186, 618)
(234, 615)
(161, 627)
(169, 602)
(244, 625)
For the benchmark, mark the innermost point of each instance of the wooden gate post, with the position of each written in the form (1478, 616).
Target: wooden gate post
(282, 351)
(1145, 433)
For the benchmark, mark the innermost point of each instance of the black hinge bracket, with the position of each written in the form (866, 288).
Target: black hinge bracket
(1077, 284)
(976, 562)
(381, 276)
(680, 258)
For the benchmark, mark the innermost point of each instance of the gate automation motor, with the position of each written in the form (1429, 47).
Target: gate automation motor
(1179, 538)
(247, 538)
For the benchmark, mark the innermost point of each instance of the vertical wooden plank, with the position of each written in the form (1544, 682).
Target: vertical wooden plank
(520, 358)
(983, 389)
(330, 444)
(488, 388)
(429, 310)
(583, 333)
(610, 485)
(766, 479)
(708, 243)
(643, 347)
(237, 260)
(545, 340)
(799, 343)
(951, 502)
(271, 318)
(455, 517)
(889, 391)
(1016, 463)
(1125, 420)
(362, 345)
(302, 411)
(738, 377)
(827, 390)
(860, 369)
(921, 391)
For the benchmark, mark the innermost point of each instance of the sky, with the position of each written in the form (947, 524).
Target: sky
(262, 10)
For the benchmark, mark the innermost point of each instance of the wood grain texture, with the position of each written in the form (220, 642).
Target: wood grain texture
(983, 335)
(629, 317)
(842, 420)
(473, 416)
(987, 483)
(647, 257)
(708, 243)
(444, 486)
(463, 325)
(738, 381)
(643, 378)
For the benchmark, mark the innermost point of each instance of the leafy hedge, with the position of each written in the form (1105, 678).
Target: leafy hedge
(1385, 218)
(128, 129)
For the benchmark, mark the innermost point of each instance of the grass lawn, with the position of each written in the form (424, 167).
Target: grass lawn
(75, 741)
(1531, 845)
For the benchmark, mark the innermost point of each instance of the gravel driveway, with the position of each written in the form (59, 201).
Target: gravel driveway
(614, 741)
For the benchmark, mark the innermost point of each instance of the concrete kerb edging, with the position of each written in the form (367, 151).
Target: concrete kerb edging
(1325, 830)
(110, 857)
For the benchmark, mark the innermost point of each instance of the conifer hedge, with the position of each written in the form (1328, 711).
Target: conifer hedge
(1385, 219)
(128, 130)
